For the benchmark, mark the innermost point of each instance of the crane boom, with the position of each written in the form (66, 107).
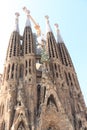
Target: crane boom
(37, 27)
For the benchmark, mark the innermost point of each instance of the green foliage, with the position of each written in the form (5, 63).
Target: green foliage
(44, 55)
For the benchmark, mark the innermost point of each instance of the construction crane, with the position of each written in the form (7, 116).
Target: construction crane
(37, 27)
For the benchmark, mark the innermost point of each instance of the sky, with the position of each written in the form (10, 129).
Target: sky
(71, 16)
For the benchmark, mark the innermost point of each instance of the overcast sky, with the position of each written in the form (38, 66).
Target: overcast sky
(71, 15)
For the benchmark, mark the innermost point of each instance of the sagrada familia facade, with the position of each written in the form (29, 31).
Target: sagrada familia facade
(39, 89)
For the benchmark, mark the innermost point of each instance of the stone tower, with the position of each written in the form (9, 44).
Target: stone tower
(40, 89)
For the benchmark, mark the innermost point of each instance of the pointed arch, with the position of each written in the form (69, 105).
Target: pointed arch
(21, 121)
(21, 126)
(51, 101)
(51, 94)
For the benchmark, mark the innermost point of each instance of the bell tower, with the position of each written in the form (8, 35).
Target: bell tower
(11, 76)
(29, 62)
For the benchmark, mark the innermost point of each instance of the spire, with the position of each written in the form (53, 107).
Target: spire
(28, 23)
(59, 38)
(16, 22)
(48, 28)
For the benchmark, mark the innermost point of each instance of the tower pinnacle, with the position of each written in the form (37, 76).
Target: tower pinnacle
(48, 28)
(28, 24)
(59, 38)
(16, 22)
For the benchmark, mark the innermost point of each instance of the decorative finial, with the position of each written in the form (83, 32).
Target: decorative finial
(47, 18)
(26, 10)
(28, 16)
(16, 22)
(17, 14)
(59, 38)
(56, 25)
(48, 28)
